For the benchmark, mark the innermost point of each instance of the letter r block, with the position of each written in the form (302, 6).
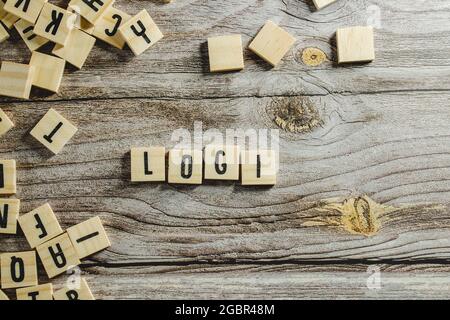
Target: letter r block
(18, 270)
(148, 164)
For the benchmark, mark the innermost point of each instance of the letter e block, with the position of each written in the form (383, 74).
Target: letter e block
(74, 292)
(41, 292)
(92, 10)
(107, 28)
(185, 166)
(19, 270)
(9, 212)
(148, 164)
(355, 44)
(222, 162)
(55, 24)
(7, 176)
(77, 49)
(48, 71)
(16, 80)
(5, 123)
(259, 168)
(28, 10)
(88, 237)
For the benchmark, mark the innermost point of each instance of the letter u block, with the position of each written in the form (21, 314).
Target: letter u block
(19, 270)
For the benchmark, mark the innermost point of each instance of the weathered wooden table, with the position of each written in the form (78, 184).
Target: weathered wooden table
(365, 156)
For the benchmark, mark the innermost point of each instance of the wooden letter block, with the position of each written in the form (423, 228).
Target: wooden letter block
(53, 131)
(185, 166)
(58, 255)
(259, 168)
(88, 237)
(41, 292)
(148, 164)
(5, 123)
(7, 176)
(19, 270)
(222, 162)
(55, 24)
(80, 22)
(4, 35)
(25, 30)
(77, 48)
(272, 43)
(320, 4)
(9, 212)
(225, 53)
(3, 296)
(16, 80)
(40, 225)
(92, 10)
(140, 32)
(355, 44)
(72, 291)
(107, 28)
(48, 71)
(28, 10)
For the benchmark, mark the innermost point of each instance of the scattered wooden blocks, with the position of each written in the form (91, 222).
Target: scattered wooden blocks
(272, 43)
(185, 166)
(25, 30)
(53, 131)
(77, 48)
(355, 44)
(88, 237)
(222, 162)
(148, 164)
(58, 255)
(80, 22)
(41, 292)
(92, 10)
(320, 4)
(107, 27)
(9, 212)
(4, 35)
(5, 123)
(140, 32)
(18, 269)
(3, 296)
(7, 176)
(40, 225)
(48, 71)
(225, 53)
(79, 291)
(259, 168)
(16, 80)
(27, 10)
(55, 24)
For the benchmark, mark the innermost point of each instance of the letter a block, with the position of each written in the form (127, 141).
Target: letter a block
(19, 270)
(259, 168)
(92, 10)
(77, 48)
(7, 176)
(48, 71)
(75, 291)
(53, 131)
(28, 10)
(55, 24)
(107, 28)
(148, 164)
(41, 292)
(3, 296)
(25, 30)
(16, 80)
(222, 162)
(140, 32)
(9, 212)
(5, 123)
(185, 166)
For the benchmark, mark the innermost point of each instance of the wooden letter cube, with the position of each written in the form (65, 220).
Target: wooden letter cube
(355, 44)
(77, 48)
(185, 166)
(55, 24)
(19, 270)
(80, 22)
(4, 35)
(58, 255)
(88, 237)
(16, 80)
(74, 291)
(107, 28)
(222, 162)
(7, 176)
(320, 4)
(28, 10)
(3, 296)
(48, 71)
(40, 225)
(259, 167)
(92, 10)
(9, 212)
(5, 123)
(148, 164)
(25, 30)
(140, 32)
(53, 131)
(225, 53)
(272, 43)
(41, 292)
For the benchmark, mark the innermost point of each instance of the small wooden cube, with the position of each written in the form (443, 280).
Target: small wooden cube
(88, 237)
(320, 4)
(79, 291)
(3, 13)
(107, 28)
(185, 166)
(3, 296)
(4, 35)
(92, 10)
(222, 162)
(5, 123)
(16, 80)
(41, 292)
(272, 43)
(48, 71)
(148, 164)
(355, 44)
(140, 32)
(9, 212)
(40, 225)
(259, 167)
(77, 48)
(225, 53)
(55, 24)
(58, 255)
(19, 269)
(53, 131)
(7, 176)
(25, 30)
(80, 22)
(9, 20)
(27, 10)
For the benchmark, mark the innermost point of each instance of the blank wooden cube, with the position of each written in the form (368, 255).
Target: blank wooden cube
(3, 296)
(92, 10)
(40, 225)
(355, 44)
(53, 131)
(16, 80)
(4, 35)
(80, 22)
(7, 176)
(320, 4)
(55, 24)
(107, 27)
(225, 53)
(26, 32)
(185, 166)
(58, 255)
(9, 212)
(5, 123)
(77, 48)
(88, 237)
(27, 10)
(259, 167)
(18, 269)
(41, 292)
(48, 71)
(222, 162)
(74, 291)
(148, 164)
(140, 32)
(3, 13)
(272, 43)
